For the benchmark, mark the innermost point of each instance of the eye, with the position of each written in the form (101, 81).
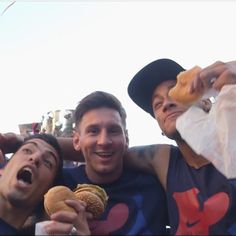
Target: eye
(27, 151)
(115, 130)
(48, 163)
(157, 105)
(93, 131)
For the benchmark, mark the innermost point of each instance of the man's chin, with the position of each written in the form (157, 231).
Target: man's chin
(174, 135)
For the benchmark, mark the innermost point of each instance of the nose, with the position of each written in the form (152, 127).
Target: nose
(35, 158)
(104, 138)
(168, 103)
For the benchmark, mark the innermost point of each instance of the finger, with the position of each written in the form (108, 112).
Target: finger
(196, 85)
(79, 207)
(211, 72)
(81, 224)
(89, 215)
(227, 77)
(76, 204)
(233, 63)
(58, 228)
(64, 216)
(225, 73)
(212, 69)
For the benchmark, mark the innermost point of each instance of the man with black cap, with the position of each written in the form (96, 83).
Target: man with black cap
(201, 200)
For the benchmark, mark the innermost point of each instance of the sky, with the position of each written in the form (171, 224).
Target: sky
(53, 53)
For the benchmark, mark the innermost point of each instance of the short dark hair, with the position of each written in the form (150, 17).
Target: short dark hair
(52, 141)
(99, 99)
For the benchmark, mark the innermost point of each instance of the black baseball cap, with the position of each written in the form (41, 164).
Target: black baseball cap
(143, 84)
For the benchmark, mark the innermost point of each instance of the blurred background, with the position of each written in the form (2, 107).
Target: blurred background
(53, 53)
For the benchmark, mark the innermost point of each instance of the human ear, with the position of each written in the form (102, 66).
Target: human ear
(127, 138)
(76, 142)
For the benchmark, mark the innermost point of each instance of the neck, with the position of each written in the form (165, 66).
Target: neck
(192, 159)
(103, 178)
(12, 215)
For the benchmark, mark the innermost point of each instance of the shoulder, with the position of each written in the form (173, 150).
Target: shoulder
(139, 178)
(175, 155)
(72, 170)
(6, 229)
(148, 155)
(73, 175)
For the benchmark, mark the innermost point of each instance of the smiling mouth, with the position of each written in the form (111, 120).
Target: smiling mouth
(25, 175)
(175, 114)
(104, 154)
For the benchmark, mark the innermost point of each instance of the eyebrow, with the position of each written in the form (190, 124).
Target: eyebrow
(156, 96)
(110, 125)
(50, 152)
(159, 96)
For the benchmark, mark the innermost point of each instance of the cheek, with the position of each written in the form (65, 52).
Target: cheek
(156, 115)
(87, 153)
(158, 118)
(10, 169)
(47, 177)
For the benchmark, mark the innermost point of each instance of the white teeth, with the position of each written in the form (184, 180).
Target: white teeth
(25, 175)
(105, 154)
(28, 169)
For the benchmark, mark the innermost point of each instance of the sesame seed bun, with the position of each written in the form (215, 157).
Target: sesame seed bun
(94, 196)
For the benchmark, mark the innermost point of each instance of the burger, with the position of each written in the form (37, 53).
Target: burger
(95, 197)
(180, 92)
(54, 199)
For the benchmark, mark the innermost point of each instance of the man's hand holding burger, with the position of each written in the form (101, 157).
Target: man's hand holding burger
(68, 222)
(69, 211)
(215, 76)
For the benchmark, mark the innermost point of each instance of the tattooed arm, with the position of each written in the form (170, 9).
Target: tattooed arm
(151, 158)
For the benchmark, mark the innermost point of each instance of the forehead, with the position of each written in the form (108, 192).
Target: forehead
(101, 116)
(164, 87)
(42, 145)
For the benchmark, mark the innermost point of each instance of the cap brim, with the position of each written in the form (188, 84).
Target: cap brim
(143, 84)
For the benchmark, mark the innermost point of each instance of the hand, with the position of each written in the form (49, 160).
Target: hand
(63, 222)
(2, 162)
(3, 141)
(2, 158)
(215, 76)
(10, 142)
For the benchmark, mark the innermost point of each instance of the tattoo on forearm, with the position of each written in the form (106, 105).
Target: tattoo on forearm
(145, 153)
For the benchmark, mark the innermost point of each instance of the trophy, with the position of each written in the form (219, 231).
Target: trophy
(60, 123)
